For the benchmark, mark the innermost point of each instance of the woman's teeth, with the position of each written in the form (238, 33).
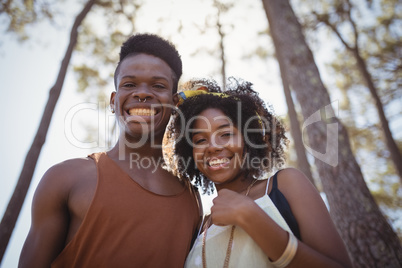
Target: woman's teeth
(217, 162)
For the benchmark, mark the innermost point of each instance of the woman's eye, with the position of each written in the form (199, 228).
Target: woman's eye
(228, 134)
(200, 141)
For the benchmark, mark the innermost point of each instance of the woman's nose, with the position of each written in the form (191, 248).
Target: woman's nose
(214, 146)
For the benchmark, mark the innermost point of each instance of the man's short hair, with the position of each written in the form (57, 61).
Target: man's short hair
(153, 45)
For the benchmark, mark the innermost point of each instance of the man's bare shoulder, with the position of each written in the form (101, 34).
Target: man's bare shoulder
(65, 175)
(74, 166)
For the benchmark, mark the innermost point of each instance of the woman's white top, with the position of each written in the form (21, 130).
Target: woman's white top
(245, 252)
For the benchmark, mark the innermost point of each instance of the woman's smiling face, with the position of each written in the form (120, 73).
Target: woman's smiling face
(218, 147)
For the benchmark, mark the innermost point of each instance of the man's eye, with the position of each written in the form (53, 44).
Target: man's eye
(128, 85)
(160, 86)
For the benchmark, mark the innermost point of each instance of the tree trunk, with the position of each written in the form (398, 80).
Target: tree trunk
(17, 199)
(302, 162)
(389, 140)
(222, 49)
(370, 240)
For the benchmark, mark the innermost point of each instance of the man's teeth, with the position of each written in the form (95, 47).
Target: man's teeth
(142, 111)
(217, 162)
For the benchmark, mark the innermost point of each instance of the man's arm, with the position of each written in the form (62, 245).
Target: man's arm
(50, 220)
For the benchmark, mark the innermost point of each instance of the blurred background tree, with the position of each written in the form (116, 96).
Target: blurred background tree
(370, 96)
(351, 204)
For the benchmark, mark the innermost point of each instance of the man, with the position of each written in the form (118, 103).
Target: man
(120, 208)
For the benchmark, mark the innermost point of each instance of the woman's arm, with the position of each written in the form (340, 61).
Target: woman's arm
(321, 246)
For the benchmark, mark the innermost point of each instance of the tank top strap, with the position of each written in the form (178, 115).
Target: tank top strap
(266, 188)
(274, 182)
(96, 156)
(200, 229)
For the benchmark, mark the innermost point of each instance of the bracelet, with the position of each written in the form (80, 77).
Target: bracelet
(288, 254)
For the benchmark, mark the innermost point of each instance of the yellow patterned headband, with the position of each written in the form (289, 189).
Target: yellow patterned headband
(196, 90)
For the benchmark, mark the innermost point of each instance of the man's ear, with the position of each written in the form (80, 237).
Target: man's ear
(112, 97)
(176, 98)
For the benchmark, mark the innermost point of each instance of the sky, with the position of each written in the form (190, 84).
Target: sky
(28, 70)
(26, 73)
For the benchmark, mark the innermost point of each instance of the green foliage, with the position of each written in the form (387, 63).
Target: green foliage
(16, 15)
(373, 28)
(96, 56)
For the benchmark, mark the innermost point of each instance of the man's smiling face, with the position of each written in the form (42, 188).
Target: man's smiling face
(143, 101)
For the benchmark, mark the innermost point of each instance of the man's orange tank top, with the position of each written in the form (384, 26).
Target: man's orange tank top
(129, 226)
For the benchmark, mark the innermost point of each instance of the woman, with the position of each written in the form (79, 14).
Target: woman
(231, 141)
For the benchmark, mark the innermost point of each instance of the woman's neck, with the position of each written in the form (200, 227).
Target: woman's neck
(239, 184)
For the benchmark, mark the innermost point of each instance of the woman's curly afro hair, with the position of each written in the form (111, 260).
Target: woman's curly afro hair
(246, 110)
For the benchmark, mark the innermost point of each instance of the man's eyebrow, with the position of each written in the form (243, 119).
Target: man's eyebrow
(160, 77)
(220, 127)
(128, 76)
(153, 77)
